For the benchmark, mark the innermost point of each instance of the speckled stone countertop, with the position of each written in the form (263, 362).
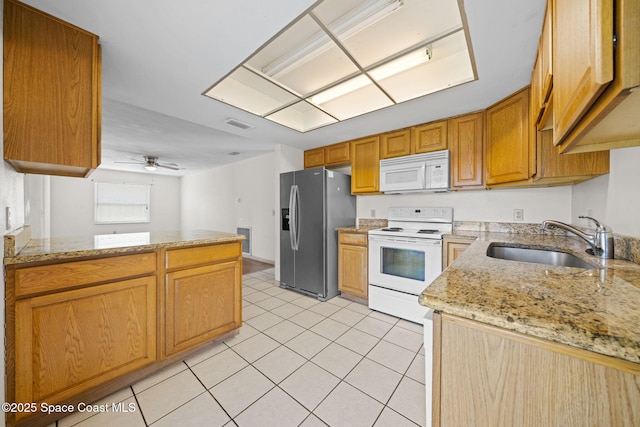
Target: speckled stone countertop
(68, 247)
(364, 225)
(597, 310)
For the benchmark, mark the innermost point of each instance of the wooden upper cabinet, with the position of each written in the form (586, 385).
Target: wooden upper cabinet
(611, 122)
(429, 137)
(337, 154)
(582, 58)
(365, 165)
(330, 155)
(396, 144)
(510, 155)
(466, 145)
(546, 54)
(314, 158)
(52, 103)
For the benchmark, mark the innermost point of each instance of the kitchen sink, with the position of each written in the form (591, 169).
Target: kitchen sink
(537, 256)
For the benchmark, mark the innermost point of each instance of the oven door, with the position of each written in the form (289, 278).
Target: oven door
(404, 264)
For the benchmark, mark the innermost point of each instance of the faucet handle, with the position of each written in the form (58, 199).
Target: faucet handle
(599, 226)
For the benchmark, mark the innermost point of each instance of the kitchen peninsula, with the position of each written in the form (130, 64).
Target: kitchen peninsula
(519, 343)
(87, 316)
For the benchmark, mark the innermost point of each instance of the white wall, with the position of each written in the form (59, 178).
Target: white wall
(615, 198)
(480, 205)
(72, 203)
(240, 194)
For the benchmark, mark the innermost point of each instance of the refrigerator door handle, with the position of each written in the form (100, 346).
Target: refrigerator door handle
(297, 220)
(292, 217)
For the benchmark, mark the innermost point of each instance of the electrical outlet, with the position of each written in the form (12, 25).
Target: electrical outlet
(518, 214)
(373, 213)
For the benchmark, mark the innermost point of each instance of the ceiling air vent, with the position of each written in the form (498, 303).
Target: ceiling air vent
(238, 124)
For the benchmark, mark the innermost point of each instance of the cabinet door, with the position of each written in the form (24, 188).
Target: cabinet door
(582, 58)
(352, 267)
(201, 303)
(52, 94)
(314, 158)
(453, 251)
(337, 154)
(429, 137)
(466, 139)
(395, 144)
(69, 342)
(509, 153)
(487, 376)
(365, 165)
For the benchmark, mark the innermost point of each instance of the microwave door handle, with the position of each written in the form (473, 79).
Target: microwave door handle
(425, 177)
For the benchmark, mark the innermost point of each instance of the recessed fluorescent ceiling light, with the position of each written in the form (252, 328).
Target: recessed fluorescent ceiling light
(344, 58)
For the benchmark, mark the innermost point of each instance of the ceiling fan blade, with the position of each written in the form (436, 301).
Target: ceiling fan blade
(168, 166)
(131, 163)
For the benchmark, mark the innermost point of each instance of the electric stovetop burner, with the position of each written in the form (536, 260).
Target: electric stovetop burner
(392, 229)
(428, 231)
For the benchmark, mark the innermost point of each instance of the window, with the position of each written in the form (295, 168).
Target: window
(121, 203)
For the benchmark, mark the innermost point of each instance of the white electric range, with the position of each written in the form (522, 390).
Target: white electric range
(404, 258)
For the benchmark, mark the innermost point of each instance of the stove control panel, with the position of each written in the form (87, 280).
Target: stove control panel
(421, 214)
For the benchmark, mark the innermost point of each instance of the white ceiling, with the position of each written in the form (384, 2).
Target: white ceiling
(159, 56)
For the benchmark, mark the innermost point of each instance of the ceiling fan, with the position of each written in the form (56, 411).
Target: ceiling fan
(150, 163)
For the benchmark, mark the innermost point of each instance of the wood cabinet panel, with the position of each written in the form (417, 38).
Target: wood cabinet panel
(466, 145)
(582, 59)
(365, 165)
(187, 257)
(68, 342)
(202, 303)
(610, 121)
(337, 154)
(509, 153)
(452, 250)
(314, 158)
(56, 277)
(429, 137)
(352, 238)
(353, 265)
(489, 376)
(51, 92)
(395, 144)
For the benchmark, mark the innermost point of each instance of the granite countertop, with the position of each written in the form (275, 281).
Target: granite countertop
(364, 225)
(597, 310)
(32, 250)
(357, 229)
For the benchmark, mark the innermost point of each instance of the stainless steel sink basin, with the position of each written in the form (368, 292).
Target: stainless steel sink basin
(538, 256)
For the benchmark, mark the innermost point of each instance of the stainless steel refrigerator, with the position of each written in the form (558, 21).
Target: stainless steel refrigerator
(313, 202)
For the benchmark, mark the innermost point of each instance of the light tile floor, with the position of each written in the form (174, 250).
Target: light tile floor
(296, 362)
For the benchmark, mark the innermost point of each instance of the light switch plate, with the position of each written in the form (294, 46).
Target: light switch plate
(9, 218)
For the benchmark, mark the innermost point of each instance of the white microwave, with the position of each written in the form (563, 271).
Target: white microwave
(428, 172)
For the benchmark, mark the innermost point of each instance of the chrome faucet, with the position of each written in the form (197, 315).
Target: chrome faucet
(601, 242)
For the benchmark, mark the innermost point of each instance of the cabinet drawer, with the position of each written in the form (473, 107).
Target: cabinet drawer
(353, 239)
(43, 278)
(180, 258)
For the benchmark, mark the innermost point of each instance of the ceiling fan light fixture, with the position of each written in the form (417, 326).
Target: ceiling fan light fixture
(150, 167)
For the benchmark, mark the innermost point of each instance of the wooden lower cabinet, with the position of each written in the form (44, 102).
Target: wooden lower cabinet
(452, 248)
(488, 376)
(353, 278)
(202, 302)
(80, 329)
(68, 342)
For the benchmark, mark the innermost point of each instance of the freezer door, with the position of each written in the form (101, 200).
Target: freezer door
(310, 257)
(287, 254)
